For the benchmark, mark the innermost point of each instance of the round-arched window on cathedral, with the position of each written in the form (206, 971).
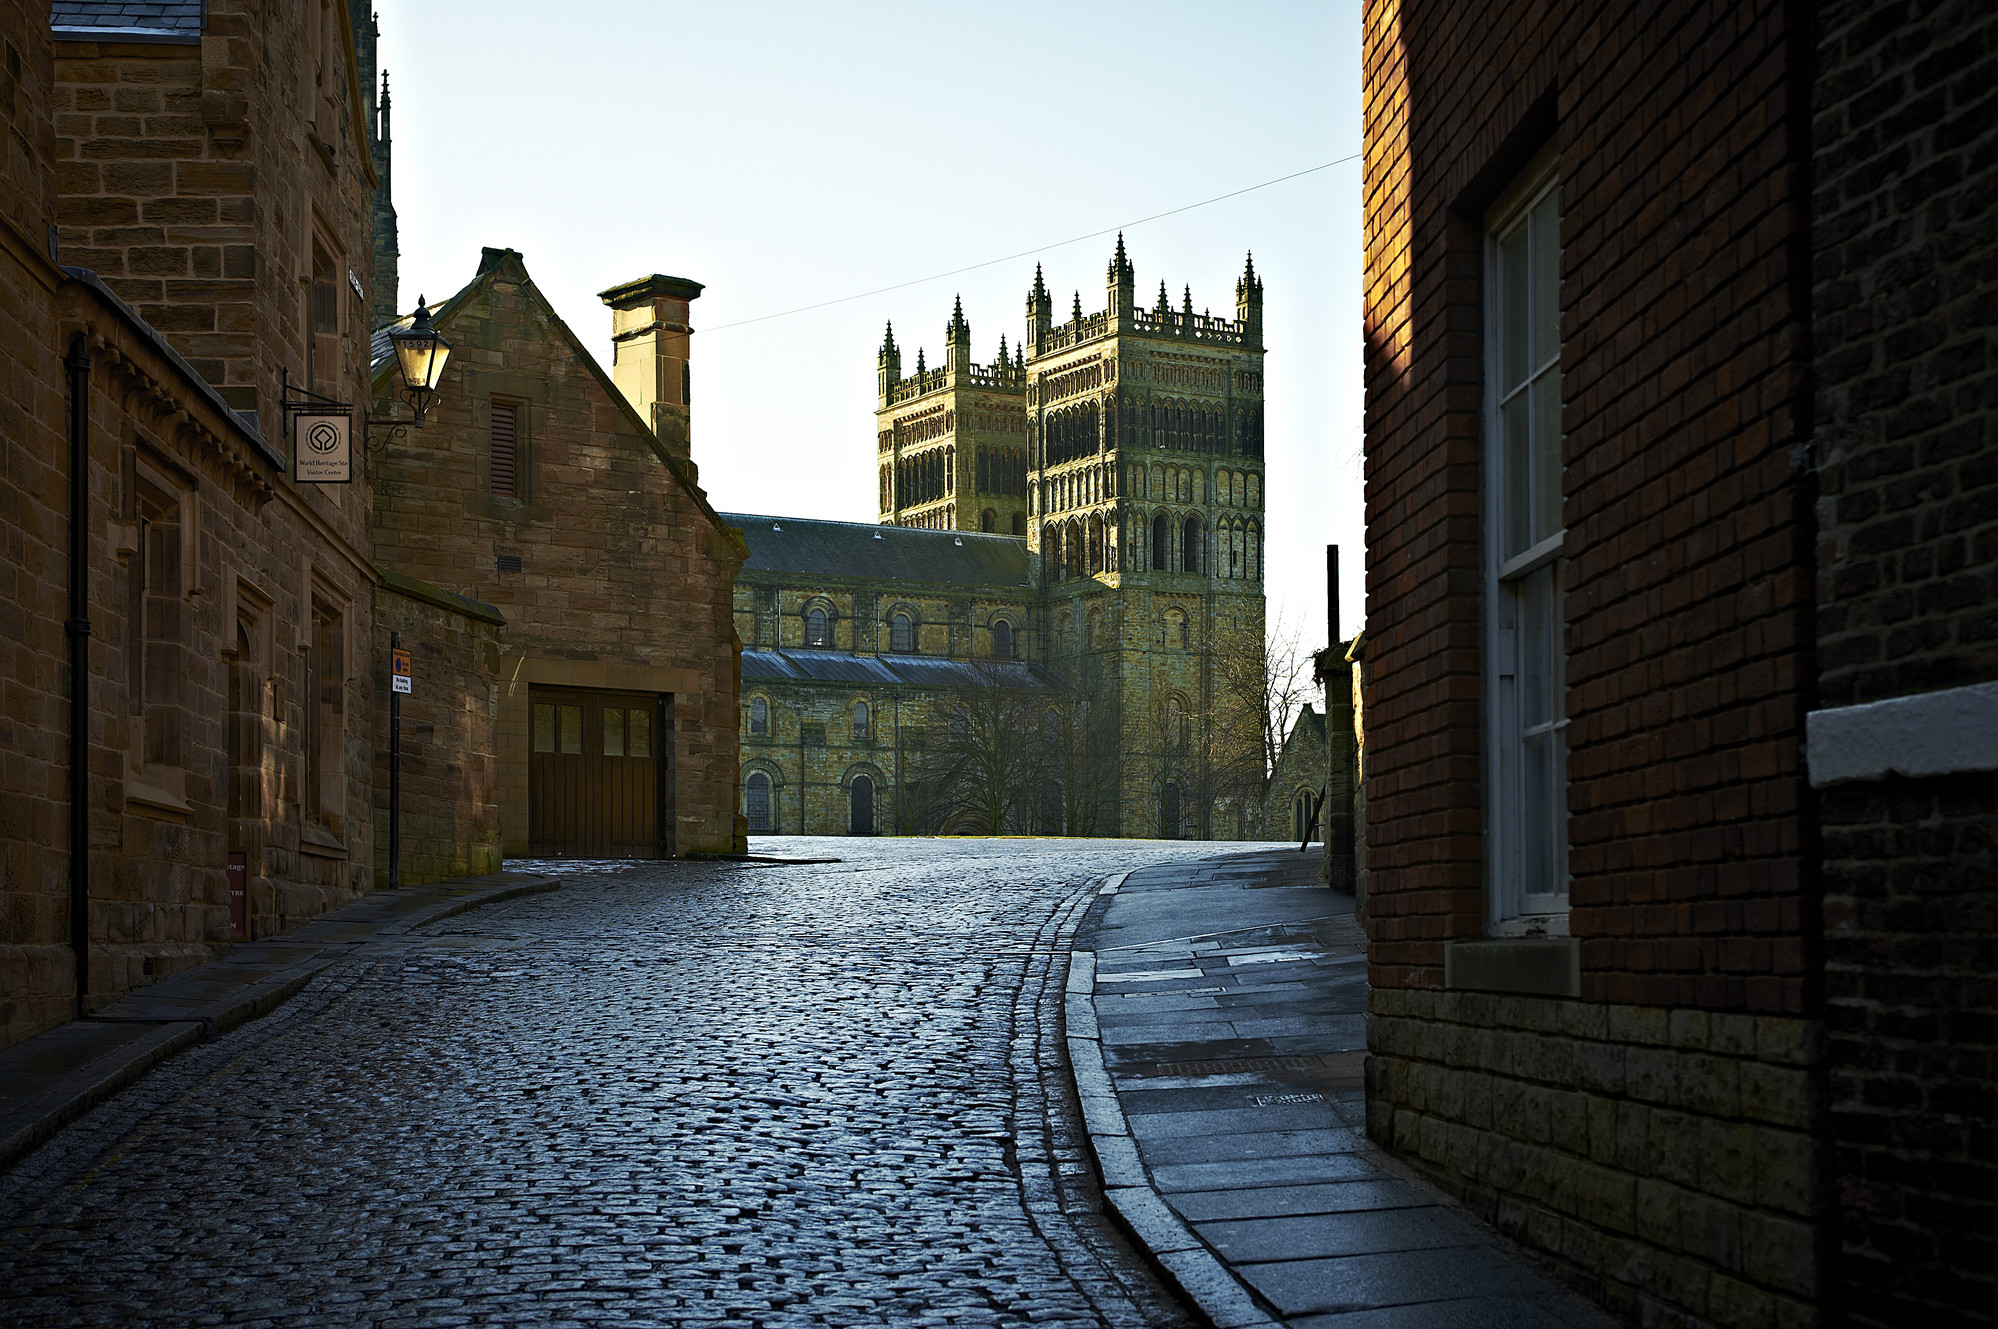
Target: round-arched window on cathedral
(756, 803)
(902, 635)
(1002, 639)
(759, 716)
(818, 628)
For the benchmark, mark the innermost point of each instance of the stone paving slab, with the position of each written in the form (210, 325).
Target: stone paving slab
(50, 1080)
(1217, 1027)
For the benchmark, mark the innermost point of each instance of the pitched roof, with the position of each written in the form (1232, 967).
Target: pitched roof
(129, 20)
(881, 553)
(507, 263)
(916, 671)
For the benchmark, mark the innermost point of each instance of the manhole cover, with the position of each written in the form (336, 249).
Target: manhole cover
(1286, 1100)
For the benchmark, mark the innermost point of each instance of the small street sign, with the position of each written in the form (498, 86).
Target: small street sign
(399, 672)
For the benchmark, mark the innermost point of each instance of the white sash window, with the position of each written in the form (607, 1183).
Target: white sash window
(1526, 755)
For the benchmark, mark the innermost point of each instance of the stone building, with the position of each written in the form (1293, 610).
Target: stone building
(566, 498)
(1290, 808)
(190, 706)
(1123, 452)
(858, 643)
(1681, 686)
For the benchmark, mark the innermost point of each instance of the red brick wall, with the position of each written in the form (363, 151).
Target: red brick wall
(1682, 384)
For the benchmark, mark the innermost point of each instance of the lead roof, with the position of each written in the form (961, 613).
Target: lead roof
(917, 671)
(881, 553)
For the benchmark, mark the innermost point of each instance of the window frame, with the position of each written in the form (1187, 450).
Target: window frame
(1523, 571)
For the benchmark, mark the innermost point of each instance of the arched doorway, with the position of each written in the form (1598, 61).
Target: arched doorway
(862, 795)
(757, 804)
(1169, 813)
(1301, 818)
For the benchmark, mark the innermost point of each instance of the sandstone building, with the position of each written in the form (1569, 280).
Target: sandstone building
(191, 689)
(1681, 672)
(566, 498)
(1102, 487)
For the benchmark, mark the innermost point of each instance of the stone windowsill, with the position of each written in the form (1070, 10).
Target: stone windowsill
(320, 842)
(1534, 966)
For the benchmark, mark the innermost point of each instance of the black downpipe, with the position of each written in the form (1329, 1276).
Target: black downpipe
(78, 630)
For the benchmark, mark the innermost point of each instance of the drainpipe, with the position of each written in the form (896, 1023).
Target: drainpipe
(77, 627)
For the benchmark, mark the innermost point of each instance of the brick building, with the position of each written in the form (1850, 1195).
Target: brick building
(1678, 452)
(190, 696)
(566, 498)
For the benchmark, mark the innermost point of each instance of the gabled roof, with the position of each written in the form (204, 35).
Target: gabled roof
(495, 263)
(916, 671)
(127, 20)
(867, 552)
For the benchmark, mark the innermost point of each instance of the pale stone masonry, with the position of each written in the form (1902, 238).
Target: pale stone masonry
(1122, 451)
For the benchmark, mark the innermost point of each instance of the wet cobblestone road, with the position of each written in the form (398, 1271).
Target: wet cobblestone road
(677, 1093)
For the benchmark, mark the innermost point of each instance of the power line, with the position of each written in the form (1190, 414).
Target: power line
(1028, 253)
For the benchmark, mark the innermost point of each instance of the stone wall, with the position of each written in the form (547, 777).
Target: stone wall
(450, 725)
(1907, 223)
(1669, 1154)
(207, 567)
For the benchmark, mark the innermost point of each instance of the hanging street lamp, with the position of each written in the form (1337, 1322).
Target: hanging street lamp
(420, 353)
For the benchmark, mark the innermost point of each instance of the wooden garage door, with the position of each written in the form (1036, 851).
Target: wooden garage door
(599, 774)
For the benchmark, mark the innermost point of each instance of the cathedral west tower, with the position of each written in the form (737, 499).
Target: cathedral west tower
(951, 441)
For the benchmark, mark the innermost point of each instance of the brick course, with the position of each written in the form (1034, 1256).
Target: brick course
(1905, 266)
(1680, 142)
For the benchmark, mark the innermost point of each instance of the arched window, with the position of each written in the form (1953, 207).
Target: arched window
(818, 628)
(1072, 545)
(756, 803)
(1019, 523)
(1002, 639)
(990, 521)
(1161, 543)
(902, 635)
(759, 716)
(860, 721)
(1190, 550)
(1301, 818)
(1095, 629)
(1096, 563)
(861, 819)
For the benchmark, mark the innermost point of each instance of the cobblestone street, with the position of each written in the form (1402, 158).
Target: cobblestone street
(671, 1093)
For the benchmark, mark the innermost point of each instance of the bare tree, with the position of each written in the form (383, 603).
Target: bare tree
(1258, 691)
(975, 769)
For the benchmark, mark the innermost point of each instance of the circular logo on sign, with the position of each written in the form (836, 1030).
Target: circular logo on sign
(323, 436)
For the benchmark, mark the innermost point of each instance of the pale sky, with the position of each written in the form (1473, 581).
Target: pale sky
(791, 154)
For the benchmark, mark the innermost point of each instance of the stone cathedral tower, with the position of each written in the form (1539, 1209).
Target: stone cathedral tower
(1145, 437)
(1126, 447)
(951, 441)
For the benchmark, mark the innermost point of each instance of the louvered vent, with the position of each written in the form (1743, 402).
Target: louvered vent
(506, 483)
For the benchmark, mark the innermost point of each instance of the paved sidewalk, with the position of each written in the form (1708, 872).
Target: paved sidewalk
(1216, 1023)
(50, 1080)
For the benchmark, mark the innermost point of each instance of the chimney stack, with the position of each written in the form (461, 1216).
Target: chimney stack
(650, 336)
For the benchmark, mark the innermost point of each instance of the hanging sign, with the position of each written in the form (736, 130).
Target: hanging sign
(399, 673)
(323, 446)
